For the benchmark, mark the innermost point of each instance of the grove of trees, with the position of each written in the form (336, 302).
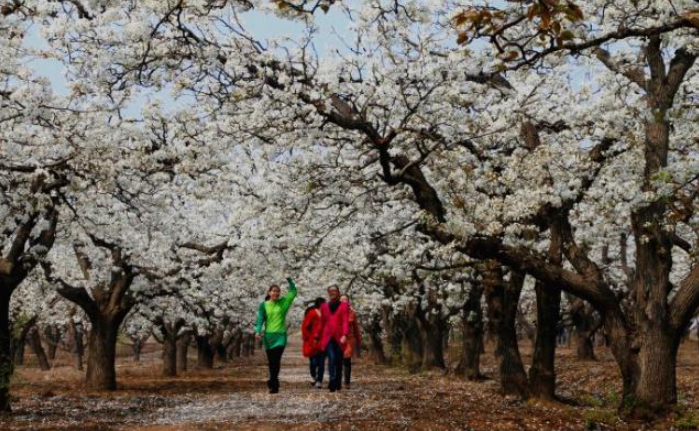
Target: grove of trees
(482, 168)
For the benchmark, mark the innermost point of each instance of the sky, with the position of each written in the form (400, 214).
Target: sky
(261, 25)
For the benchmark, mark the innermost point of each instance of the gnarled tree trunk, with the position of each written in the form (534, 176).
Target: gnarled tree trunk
(101, 355)
(503, 298)
(472, 331)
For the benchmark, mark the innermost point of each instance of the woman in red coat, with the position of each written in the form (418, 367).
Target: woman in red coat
(310, 333)
(353, 344)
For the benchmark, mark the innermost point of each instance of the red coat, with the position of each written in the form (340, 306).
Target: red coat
(354, 339)
(335, 325)
(311, 329)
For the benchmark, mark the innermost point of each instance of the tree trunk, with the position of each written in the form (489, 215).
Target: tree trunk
(377, 349)
(584, 347)
(38, 349)
(432, 334)
(412, 347)
(18, 351)
(251, 341)
(76, 345)
(237, 346)
(205, 354)
(182, 350)
(53, 337)
(651, 390)
(6, 363)
(169, 355)
(542, 374)
(503, 298)
(101, 355)
(472, 334)
(221, 353)
(582, 316)
(394, 331)
(79, 347)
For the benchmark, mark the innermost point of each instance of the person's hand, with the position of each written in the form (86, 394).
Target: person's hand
(343, 340)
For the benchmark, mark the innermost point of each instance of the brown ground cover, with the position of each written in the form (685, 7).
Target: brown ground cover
(233, 397)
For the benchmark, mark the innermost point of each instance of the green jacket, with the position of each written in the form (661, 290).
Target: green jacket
(273, 315)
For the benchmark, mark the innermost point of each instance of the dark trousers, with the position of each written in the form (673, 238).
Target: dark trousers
(334, 353)
(274, 361)
(347, 369)
(318, 366)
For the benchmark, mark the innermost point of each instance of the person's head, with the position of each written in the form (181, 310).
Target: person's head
(318, 302)
(334, 293)
(345, 298)
(274, 292)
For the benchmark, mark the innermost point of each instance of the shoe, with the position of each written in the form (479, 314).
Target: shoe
(318, 385)
(332, 389)
(347, 386)
(274, 391)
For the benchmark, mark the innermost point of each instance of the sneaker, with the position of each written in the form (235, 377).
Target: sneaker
(347, 386)
(274, 391)
(318, 385)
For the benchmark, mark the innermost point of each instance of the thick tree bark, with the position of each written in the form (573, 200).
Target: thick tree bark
(582, 316)
(584, 348)
(542, 374)
(472, 330)
(412, 347)
(101, 355)
(432, 332)
(205, 354)
(182, 351)
(503, 298)
(169, 355)
(38, 349)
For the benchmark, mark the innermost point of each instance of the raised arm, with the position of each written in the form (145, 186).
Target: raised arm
(289, 297)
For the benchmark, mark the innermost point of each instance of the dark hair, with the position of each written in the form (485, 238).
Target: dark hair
(334, 286)
(273, 286)
(318, 302)
(267, 297)
(308, 310)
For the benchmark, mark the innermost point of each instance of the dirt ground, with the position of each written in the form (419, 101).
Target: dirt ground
(234, 397)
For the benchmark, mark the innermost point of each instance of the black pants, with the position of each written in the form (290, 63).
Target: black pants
(274, 360)
(347, 369)
(334, 353)
(318, 367)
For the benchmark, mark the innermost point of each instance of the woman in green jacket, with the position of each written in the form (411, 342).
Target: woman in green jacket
(272, 313)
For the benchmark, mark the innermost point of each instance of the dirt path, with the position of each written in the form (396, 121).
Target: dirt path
(234, 397)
